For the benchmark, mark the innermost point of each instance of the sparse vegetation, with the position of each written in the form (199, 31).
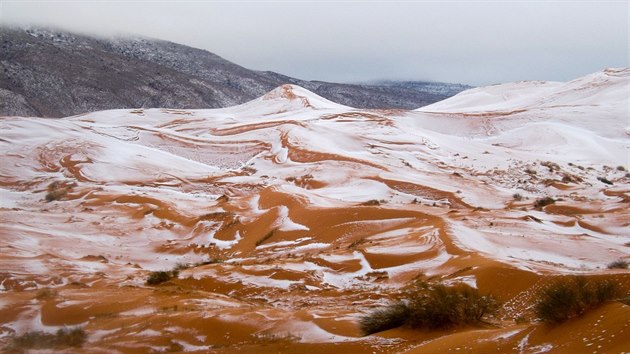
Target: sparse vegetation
(163, 276)
(571, 297)
(551, 166)
(621, 168)
(209, 261)
(618, 264)
(265, 238)
(56, 191)
(372, 202)
(517, 197)
(392, 316)
(45, 293)
(432, 307)
(604, 180)
(65, 337)
(543, 202)
(354, 244)
(181, 266)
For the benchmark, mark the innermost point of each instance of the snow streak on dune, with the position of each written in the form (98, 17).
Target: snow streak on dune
(290, 215)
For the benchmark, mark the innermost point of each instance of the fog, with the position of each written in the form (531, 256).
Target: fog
(470, 42)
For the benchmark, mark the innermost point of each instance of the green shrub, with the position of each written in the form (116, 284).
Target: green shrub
(74, 337)
(570, 297)
(433, 307)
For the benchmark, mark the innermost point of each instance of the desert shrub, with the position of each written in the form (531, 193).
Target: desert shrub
(550, 166)
(264, 238)
(209, 261)
(604, 180)
(618, 264)
(542, 202)
(356, 243)
(621, 168)
(570, 297)
(73, 337)
(443, 307)
(433, 307)
(181, 266)
(56, 191)
(162, 276)
(517, 196)
(45, 293)
(392, 316)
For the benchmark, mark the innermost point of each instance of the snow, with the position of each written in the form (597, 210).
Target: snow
(9, 199)
(356, 191)
(284, 243)
(171, 162)
(606, 86)
(502, 97)
(222, 244)
(469, 280)
(284, 223)
(308, 332)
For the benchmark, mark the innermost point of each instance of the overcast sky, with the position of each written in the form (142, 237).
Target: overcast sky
(474, 42)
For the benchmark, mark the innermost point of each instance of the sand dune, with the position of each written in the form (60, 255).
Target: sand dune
(292, 216)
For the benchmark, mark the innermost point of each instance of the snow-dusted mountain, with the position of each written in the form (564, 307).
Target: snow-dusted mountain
(55, 74)
(297, 215)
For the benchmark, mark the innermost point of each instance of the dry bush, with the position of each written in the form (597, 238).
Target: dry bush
(74, 337)
(56, 191)
(618, 264)
(264, 238)
(604, 180)
(571, 297)
(543, 202)
(432, 307)
(392, 316)
(162, 276)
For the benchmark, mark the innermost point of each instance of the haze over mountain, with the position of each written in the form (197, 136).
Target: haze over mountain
(55, 74)
(291, 217)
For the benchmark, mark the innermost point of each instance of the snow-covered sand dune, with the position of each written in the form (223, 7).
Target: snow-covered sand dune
(300, 213)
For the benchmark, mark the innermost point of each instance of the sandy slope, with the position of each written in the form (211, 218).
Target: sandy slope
(314, 213)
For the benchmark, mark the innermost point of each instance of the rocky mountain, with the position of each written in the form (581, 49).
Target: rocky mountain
(52, 73)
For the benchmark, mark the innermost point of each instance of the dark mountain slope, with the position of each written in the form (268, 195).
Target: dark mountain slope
(54, 74)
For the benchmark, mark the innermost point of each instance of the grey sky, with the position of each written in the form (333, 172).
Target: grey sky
(455, 41)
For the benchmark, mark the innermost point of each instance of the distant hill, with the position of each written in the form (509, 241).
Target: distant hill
(52, 73)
